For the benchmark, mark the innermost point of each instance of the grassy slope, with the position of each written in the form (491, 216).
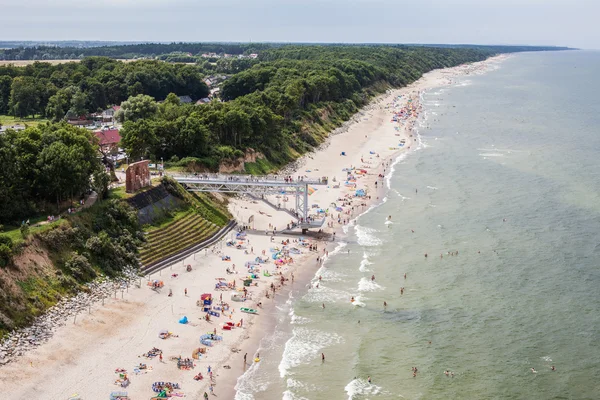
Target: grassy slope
(9, 120)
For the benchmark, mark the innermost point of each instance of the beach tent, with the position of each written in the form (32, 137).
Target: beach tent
(311, 190)
(183, 320)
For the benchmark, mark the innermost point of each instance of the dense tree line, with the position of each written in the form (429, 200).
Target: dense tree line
(91, 85)
(129, 51)
(270, 105)
(45, 165)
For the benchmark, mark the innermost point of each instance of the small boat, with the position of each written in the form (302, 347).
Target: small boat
(248, 310)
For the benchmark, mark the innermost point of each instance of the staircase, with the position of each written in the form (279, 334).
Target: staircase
(175, 237)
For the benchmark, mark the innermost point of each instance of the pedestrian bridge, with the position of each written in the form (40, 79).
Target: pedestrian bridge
(259, 187)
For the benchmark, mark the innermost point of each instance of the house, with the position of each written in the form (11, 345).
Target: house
(203, 101)
(82, 121)
(185, 99)
(108, 115)
(108, 139)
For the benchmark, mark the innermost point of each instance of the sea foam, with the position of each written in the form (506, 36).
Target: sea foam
(366, 236)
(358, 388)
(304, 346)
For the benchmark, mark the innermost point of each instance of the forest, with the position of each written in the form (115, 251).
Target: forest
(91, 85)
(127, 51)
(42, 166)
(284, 105)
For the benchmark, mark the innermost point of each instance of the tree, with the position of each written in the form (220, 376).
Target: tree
(100, 183)
(138, 138)
(58, 106)
(78, 104)
(24, 96)
(137, 107)
(5, 86)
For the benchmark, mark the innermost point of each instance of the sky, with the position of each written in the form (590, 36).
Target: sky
(534, 22)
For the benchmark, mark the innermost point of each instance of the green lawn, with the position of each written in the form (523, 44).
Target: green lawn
(8, 120)
(14, 232)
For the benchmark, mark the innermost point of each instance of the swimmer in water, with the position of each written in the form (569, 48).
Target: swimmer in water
(553, 368)
(405, 275)
(385, 303)
(533, 370)
(352, 300)
(425, 255)
(372, 277)
(369, 379)
(401, 290)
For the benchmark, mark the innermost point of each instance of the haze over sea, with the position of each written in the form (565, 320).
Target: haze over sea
(508, 175)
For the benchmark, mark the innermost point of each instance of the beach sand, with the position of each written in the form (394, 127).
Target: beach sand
(81, 358)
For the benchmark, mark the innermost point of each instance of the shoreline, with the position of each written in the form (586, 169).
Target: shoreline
(124, 328)
(381, 191)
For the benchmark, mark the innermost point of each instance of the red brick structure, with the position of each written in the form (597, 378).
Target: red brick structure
(137, 176)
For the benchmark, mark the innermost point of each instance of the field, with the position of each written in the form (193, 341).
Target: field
(22, 63)
(9, 120)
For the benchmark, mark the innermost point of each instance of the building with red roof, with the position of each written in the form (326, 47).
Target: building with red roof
(108, 139)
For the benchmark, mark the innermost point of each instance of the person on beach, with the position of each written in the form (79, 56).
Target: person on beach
(322, 357)
(245, 357)
(185, 291)
(205, 396)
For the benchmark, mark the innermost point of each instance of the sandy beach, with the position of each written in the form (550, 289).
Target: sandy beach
(86, 357)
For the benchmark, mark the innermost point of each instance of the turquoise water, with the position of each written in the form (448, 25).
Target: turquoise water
(508, 175)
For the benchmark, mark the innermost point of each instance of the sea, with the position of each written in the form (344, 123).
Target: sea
(503, 195)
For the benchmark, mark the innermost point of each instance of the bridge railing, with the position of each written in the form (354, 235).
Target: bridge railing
(278, 179)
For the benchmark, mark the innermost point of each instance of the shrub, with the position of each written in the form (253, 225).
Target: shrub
(79, 266)
(5, 255)
(60, 237)
(24, 230)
